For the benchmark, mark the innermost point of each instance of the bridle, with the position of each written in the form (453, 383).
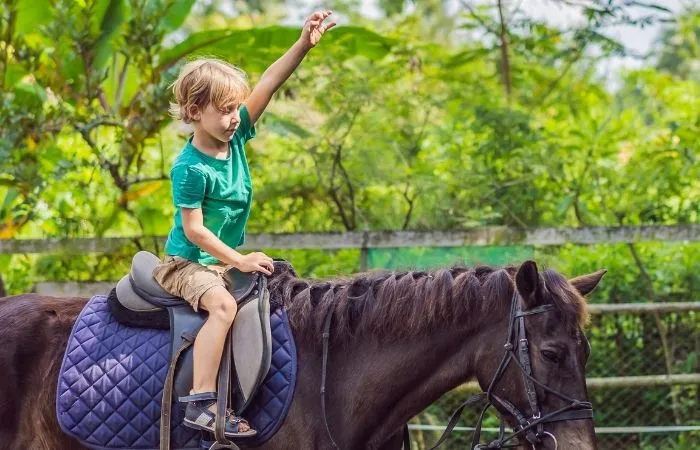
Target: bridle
(533, 428)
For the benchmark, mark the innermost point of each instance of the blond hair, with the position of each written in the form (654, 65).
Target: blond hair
(207, 81)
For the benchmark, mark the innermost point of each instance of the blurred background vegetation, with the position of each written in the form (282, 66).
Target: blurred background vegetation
(411, 115)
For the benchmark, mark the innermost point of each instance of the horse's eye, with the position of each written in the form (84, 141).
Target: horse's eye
(550, 356)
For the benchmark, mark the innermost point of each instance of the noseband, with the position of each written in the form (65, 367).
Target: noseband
(532, 428)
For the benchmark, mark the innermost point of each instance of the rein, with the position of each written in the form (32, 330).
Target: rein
(532, 428)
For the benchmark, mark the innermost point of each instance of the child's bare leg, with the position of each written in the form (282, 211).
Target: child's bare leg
(209, 343)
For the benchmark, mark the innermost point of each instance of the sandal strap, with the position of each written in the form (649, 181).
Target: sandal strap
(232, 417)
(198, 397)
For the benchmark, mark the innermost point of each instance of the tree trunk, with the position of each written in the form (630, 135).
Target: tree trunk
(505, 61)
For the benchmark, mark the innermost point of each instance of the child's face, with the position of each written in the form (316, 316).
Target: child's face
(219, 124)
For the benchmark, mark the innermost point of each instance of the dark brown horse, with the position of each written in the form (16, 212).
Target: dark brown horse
(398, 342)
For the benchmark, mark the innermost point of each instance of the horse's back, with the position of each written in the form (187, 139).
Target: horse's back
(28, 320)
(34, 330)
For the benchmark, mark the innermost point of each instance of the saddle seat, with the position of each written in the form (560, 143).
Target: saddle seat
(141, 302)
(142, 293)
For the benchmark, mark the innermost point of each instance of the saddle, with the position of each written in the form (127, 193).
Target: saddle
(247, 351)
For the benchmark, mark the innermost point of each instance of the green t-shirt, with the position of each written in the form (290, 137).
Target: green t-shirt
(221, 187)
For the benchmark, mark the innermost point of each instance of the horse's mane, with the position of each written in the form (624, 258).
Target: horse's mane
(392, 305)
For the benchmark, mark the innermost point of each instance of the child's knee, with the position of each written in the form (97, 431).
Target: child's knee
(223, 308)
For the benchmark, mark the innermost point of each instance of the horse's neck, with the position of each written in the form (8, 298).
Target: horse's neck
(385, 384)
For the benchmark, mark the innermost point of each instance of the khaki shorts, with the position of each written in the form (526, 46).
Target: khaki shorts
(187, 279)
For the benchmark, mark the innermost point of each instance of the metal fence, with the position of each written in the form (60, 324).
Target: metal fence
(648, 343)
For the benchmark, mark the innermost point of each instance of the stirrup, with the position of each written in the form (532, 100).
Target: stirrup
(218, 446)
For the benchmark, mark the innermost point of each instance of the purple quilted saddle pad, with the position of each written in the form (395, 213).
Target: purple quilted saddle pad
(112, 377)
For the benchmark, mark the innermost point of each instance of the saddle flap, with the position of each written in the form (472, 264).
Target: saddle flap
(251, 348)
(184, 325)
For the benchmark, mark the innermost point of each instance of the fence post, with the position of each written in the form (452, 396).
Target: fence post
(364, 251)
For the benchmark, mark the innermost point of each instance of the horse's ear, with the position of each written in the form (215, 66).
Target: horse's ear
(528, 283)
(586, 283)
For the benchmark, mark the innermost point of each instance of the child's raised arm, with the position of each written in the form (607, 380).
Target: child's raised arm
(280, 70)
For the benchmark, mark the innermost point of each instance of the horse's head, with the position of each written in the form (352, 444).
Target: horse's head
(550, 407)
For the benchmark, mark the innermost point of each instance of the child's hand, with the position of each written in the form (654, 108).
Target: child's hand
(257, 261)
(314, 28)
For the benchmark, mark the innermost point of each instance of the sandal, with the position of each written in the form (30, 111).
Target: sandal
(199, 417)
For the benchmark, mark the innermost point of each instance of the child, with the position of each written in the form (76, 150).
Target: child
(212, 192)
